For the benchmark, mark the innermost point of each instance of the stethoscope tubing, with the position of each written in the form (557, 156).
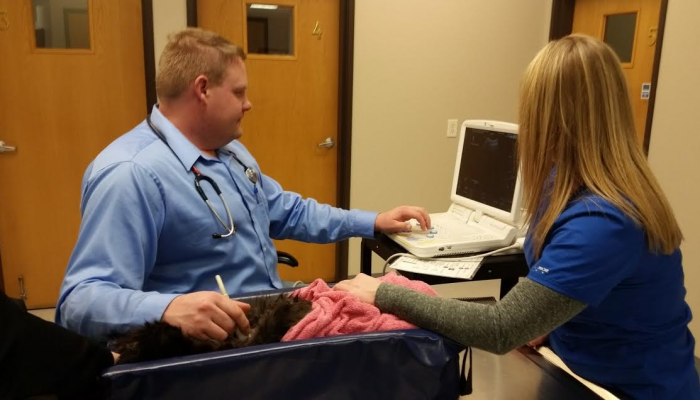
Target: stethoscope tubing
(198, 176)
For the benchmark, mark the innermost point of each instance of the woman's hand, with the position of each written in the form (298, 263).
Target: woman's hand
(537, 341)
(364, 287)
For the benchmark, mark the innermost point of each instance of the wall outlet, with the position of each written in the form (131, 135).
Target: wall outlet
(452, 127)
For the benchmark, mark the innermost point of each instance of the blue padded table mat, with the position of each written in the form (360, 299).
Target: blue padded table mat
(404, 364)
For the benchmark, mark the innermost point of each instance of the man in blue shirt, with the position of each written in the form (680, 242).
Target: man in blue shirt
(149, 247)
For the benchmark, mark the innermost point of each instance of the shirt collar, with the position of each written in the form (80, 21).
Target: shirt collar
(184, 150)
(227, 150)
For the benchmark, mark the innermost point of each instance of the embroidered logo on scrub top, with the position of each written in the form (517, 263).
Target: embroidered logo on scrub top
(542, 270)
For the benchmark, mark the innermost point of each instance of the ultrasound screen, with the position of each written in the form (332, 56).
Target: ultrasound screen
(488, 170)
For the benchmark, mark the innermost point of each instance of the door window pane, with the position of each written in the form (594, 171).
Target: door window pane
(619, 34)
(270, 29)
(61, 24)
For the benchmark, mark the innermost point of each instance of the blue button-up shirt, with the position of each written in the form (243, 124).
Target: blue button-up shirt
(146, 234)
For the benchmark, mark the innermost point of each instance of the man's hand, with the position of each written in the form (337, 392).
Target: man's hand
(207, 315)
(362, 286)
(395, 220)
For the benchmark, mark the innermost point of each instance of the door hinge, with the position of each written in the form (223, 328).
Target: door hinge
(22, 292)
(4, 21)
(317, 31)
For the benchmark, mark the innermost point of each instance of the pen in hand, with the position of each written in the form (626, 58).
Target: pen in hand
(222, 289)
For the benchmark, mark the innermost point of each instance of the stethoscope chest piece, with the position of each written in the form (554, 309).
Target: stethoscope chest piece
(252, 175)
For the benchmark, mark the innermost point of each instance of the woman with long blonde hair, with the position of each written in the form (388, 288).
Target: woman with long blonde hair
(606, 277)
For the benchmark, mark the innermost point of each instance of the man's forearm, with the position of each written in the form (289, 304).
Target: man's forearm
(97, 310)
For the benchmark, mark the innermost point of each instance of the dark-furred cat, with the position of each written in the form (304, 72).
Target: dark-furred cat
(270, 318)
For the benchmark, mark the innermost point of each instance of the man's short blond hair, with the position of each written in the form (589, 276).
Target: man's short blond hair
(190, 53)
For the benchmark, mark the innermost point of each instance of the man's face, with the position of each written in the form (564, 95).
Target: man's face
(228, 103)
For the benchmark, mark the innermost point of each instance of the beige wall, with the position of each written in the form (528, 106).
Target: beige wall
(168, 16)
(417, 64)
(674, 152)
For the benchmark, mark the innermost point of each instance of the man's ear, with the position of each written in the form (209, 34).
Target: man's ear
(201, 87)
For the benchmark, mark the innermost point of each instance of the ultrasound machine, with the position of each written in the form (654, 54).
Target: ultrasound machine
(485, 213)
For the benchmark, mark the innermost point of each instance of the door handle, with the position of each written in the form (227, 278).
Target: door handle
(328, 143)
(6, 149)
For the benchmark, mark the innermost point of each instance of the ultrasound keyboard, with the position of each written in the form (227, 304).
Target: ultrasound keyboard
(449, 269)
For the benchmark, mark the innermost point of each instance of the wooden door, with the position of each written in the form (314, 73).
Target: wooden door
(630, 26)
(59, 108)
(295, 107)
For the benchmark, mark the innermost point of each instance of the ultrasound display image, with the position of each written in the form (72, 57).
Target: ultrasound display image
(488, 170)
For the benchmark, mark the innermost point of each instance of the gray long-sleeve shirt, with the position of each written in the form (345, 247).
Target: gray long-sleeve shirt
(528, 311)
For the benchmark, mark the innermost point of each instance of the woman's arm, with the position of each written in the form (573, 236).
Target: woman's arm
(529, 310)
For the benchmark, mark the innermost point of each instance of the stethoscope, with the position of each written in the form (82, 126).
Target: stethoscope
(250, 173)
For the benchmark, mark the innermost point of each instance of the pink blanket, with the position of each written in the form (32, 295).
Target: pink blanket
(336, 313)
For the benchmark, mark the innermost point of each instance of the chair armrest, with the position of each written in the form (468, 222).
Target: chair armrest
(286, 258)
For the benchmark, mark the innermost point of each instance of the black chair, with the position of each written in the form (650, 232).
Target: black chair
(19, 303)
(287, 259)
(282, 258)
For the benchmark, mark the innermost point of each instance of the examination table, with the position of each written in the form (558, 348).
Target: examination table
(404, 364)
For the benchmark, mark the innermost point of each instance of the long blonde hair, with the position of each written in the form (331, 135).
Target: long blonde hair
(190, 53)
(577, 131)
